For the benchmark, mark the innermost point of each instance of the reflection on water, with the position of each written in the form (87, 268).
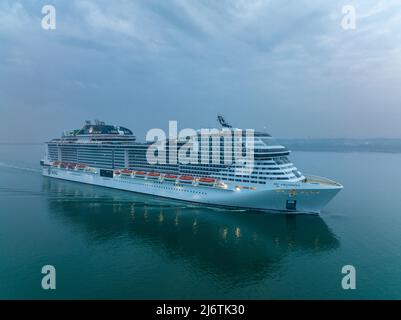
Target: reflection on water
(111, 244)
(235, 247)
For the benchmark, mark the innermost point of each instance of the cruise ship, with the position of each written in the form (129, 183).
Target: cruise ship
(110, 156)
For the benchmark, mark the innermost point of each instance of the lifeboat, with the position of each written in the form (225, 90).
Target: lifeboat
(71, 166)
(222, 185)
(126, 172)
(81, 167)
(140, 174)
(56, 163)
(63, 165)
(116, 172)
(206, 181)
(186, 179)
(153, 175)
(170, 177)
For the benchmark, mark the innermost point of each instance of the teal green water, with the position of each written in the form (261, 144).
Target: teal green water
(113, 244)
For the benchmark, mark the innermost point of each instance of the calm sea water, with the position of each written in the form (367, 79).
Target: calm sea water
(113, 244)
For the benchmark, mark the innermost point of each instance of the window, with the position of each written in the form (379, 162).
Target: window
(281, 160)
(297, 173)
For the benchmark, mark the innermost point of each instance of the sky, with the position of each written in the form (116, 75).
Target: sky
(286, 67)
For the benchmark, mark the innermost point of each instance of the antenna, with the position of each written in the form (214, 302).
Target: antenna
(222, 121)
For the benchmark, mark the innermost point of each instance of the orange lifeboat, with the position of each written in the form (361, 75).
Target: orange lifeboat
(187, 179)
(117, 172)
(71, 166)
(153, 175)
(207, 180)
(170, 177)
(81, 166)
(126, 172)
(56, 163)
(140, 174)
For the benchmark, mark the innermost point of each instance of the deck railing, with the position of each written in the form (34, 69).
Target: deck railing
(322, 180)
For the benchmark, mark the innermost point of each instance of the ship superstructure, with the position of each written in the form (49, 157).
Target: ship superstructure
(110, 156)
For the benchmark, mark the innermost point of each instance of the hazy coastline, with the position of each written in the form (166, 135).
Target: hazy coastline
(384, 145)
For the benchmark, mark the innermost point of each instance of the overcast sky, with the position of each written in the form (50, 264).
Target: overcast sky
(287, 66)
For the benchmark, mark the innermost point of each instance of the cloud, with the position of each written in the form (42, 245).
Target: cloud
(13, 18)
(284, 61)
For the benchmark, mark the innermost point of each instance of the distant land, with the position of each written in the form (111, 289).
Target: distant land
(385, 145)
(20, 143)
(344, 145)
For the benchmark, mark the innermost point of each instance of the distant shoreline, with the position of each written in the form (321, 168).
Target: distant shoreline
(20, 143)
(380, 145)
(345, 150)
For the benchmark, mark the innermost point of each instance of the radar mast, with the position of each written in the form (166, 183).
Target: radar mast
(223, 122)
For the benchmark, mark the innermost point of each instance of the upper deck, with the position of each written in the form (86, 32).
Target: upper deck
(99, 132)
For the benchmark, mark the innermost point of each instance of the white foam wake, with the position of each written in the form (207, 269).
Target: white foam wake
(11, 166)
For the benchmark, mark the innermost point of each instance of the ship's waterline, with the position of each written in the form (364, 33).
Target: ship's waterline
(309, 200)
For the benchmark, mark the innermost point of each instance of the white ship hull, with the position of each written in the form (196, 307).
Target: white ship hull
(308, 197)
